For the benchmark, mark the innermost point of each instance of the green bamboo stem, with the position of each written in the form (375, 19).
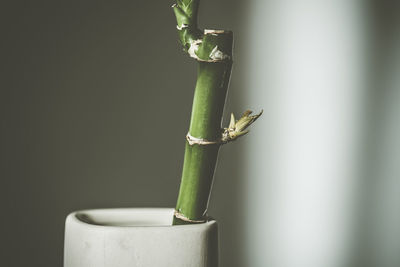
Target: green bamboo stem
(213, 51)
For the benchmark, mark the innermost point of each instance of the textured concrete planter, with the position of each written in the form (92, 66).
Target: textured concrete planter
(142, 237)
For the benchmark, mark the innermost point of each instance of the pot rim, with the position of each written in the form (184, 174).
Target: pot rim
(130, 218)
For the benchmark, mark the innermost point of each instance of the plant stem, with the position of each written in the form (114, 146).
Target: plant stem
(213, 51)
(200, 160)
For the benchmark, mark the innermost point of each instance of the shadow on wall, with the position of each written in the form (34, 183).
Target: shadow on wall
(377, 229)
(88, 92)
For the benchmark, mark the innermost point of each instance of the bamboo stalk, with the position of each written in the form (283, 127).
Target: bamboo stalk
(213, 51)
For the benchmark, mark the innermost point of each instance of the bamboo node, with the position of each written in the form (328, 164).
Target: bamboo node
(182, 217)
(200, 141)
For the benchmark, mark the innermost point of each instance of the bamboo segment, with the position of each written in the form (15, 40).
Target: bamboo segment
(200, 160)
(213, 51)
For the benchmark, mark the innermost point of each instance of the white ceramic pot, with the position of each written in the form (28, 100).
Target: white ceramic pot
(144, 237)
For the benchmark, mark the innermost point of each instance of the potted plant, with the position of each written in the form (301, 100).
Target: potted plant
(184, 236)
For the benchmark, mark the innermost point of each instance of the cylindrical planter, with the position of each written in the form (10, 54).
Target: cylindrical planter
(144, 237)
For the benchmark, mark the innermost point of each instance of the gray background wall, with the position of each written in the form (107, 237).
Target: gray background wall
(95, 103)
(96, 99)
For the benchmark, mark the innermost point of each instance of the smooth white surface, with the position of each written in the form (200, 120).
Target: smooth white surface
(306, 72)
(142, 237)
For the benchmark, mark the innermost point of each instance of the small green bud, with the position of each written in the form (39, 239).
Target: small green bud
(238, 128)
